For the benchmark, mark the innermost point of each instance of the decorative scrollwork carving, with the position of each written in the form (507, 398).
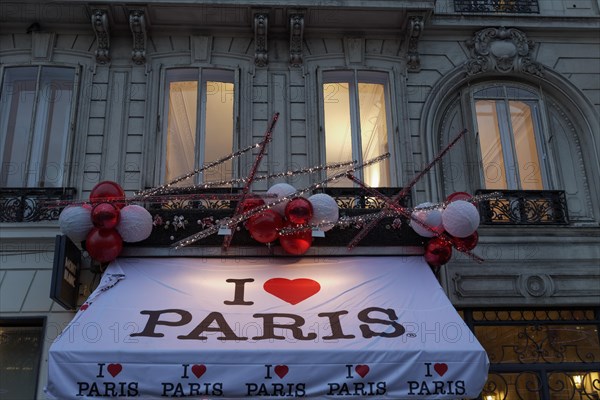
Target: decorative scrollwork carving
(101, 28)
(261, 25)
(416, 24)
(296, 38)
(502, 50)
(137, 23)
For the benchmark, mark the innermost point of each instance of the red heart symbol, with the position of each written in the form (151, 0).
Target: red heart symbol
(292, 291)
(440, 368)
(281, 370)
(84, 307)
(198, 370)
(114, 369)
(362, 370)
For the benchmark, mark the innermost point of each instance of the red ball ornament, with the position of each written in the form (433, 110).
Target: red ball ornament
(458, 196)
(251, 202)
(104, 245)
(296, 243)
(105, 216)
(437, 252)
(108, 192)
(467, 243)
(264, 227)
(299, 211)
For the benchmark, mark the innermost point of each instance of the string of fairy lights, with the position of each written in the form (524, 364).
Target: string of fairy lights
(360, 220)
(172, 190)
(236, 219)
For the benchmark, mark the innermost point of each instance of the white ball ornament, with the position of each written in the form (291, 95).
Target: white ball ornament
(135, 224)
(280, 190)
(432, 218)
(76, 222)
(460, 218)
(325, 210)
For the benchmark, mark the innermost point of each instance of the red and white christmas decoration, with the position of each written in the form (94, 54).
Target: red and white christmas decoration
(106, 222)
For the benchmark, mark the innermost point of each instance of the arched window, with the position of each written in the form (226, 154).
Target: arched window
(510, 137)
(522, 138)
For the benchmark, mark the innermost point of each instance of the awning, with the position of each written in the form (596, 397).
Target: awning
(355, 327)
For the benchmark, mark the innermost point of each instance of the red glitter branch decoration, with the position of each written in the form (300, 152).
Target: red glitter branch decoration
(405, 212)
(405, 191)
(259, 157)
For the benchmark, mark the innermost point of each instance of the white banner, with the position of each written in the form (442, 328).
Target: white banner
(355, 327)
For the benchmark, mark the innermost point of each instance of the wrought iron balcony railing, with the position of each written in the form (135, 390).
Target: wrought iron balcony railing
(225, 198)
(179, 215)
(497, 6)
(356, 198)
(525, 207)
(32, 204)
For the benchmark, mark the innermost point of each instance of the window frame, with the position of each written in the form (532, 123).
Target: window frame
(38, 322)
(541, 367)
(378, 76)
(200, 134)
(540, 125)
(67, 173)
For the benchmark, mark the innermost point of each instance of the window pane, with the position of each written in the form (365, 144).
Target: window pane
(373, 128)
(16, 110)
(524, 385)
(49, 148)
(540, 343)
(181, 124)
(491, 147)
(527, 156)
(20, 349)
(338, 126)
(219, 128)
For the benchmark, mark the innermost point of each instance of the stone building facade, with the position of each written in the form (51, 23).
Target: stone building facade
(88, 95)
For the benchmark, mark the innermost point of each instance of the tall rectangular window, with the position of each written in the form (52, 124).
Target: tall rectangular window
(36, 110)
(21, 346)
(200, 122)
(509, 138)
(355, 106)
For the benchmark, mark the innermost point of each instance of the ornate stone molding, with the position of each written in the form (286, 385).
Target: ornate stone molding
(502, 50)
(101, 28)
(416, 24)
(552, 287)
(261, 24)
(296, 38)
(137, 23)
(535, 285)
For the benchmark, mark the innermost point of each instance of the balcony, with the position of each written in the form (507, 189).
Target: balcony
(525, 207)
(32, 204)
(497, 6)
(180, 216)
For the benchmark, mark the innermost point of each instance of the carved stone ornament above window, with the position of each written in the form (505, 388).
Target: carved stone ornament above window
(416, 24)
(100, 26)
(296, 34)
(501, 50)
(261, 25)
(137, 23)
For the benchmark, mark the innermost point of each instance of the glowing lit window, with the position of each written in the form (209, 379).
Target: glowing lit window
(355, 107)
(36, 110)
(508, 122)
(200, 122)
